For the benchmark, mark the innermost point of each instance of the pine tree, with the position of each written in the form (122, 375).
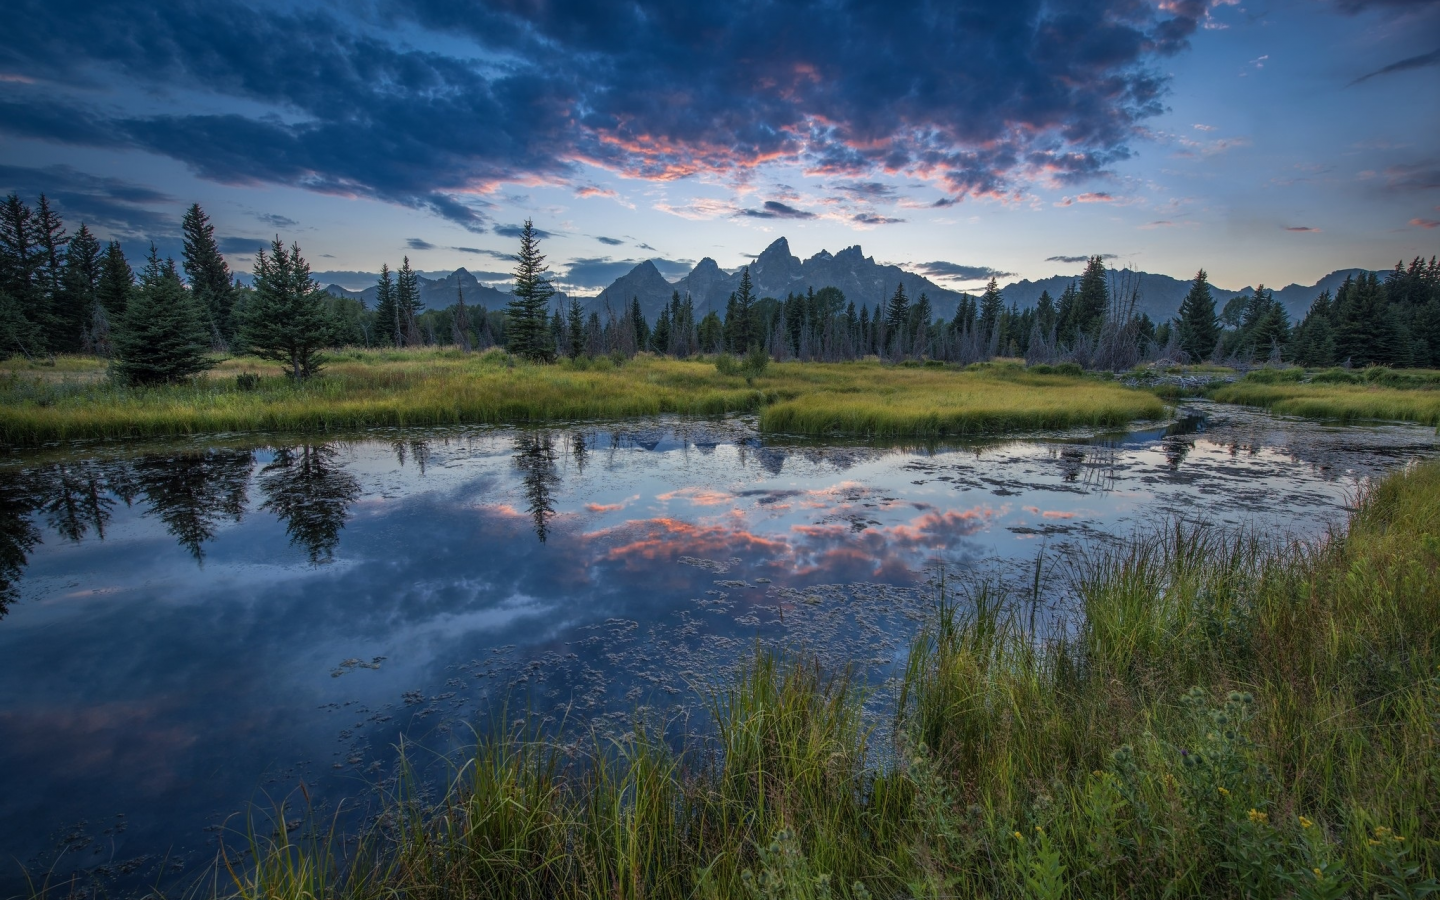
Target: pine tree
(526, 319)
(1092, 300)
(117, 282)
(162, 337)
(77, 304)
(209, 275)
(642, 328)
(1045, 315)
(921, 317)
(992, 303)
(575, 324)
(388, 328)
(407, 302)
(460, 322)
(897, 319)
(745, 333)
(22, 313)
(1198, 328)
(50, 243)
(287, 319)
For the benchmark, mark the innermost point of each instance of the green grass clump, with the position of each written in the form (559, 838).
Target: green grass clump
(862, 398)
(1381, 394)
(1230, 718)
(357, 389)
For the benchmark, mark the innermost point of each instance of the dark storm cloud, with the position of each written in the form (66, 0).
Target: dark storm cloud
(979, 98)
(1414, 62)
(119, 207)
(873, 219)
(276, 220)
(1076, 259)
(613, 242)
(942, 269)
(418, 244)
(774, 209)
(868, 190)
(514, 231)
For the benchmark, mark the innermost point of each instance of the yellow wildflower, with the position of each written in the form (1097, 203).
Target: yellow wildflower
(1039, 830)
(1019, 836)
(1305, 823)
(1258, 817)
(1319, 875)
(1224, 793)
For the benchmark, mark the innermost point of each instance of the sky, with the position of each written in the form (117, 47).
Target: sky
(1268, 141)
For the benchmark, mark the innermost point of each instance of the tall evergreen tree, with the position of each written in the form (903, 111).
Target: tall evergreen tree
(526, 318)
(1198, 328)
(992, 303)
(575, 326)
(1045, 315)
(407, 302)
(746, 334)
(117, 281)
(51, 242)
(921, 317)
(22, 313)
(162, 337)
(1065, 331)
(1093, 299)
(76, 307)
(287, 319)
(388, 327)
(897, 319)
(460, 322)
(210, 279)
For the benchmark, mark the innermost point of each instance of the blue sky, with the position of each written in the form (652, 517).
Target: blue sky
(1266, 141)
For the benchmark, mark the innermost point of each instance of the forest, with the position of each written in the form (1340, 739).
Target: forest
(63, 293)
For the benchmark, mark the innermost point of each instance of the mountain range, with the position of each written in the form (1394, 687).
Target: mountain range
(777, 272)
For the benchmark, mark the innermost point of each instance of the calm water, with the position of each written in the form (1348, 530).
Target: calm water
(190, 628)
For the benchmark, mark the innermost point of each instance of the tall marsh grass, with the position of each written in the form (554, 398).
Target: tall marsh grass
(1228, 718)
(445, 387)
(1379, 394)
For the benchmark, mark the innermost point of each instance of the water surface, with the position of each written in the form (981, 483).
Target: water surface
(192, 627)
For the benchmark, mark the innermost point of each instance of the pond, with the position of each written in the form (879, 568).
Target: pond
(192, 627)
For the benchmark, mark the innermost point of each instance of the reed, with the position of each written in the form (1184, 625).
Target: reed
(1337, 394)
(1229, 717)
(358, 389)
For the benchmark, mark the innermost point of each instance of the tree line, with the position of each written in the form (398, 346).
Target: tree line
(1369, 321)
(62, 293)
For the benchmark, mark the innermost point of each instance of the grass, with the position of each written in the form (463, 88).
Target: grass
(1378, 394)
(74, 399)
(1229, 718)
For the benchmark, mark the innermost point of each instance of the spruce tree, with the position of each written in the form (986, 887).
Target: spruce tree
(209, 275)
(407, 302)
(526, 318)
(388, 328)
(162, 337)
(1045, 315)
(117, 282)
(460, 322)
(50, 244)
(1198, 328)
(20, 261)
(921, 317)
(897, 320)
(77, 306)
(746, 334)
(575, 324)
(1093, 299)
(992, 303)
(1065, 331)
(287, 319)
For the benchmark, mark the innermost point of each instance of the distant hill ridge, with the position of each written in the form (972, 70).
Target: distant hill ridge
(777, 272)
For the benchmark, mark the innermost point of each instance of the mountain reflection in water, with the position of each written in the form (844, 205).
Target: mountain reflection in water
(192, 627)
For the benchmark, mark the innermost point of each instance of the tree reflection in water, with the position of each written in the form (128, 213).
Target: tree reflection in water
(192, 493)
(308, 491)
(535, 457)
(18, 535)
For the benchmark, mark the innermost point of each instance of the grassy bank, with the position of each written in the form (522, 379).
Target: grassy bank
(1231, 719)
(75, 399)
(1410, 396)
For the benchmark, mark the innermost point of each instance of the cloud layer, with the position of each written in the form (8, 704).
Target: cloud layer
(977, 100)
